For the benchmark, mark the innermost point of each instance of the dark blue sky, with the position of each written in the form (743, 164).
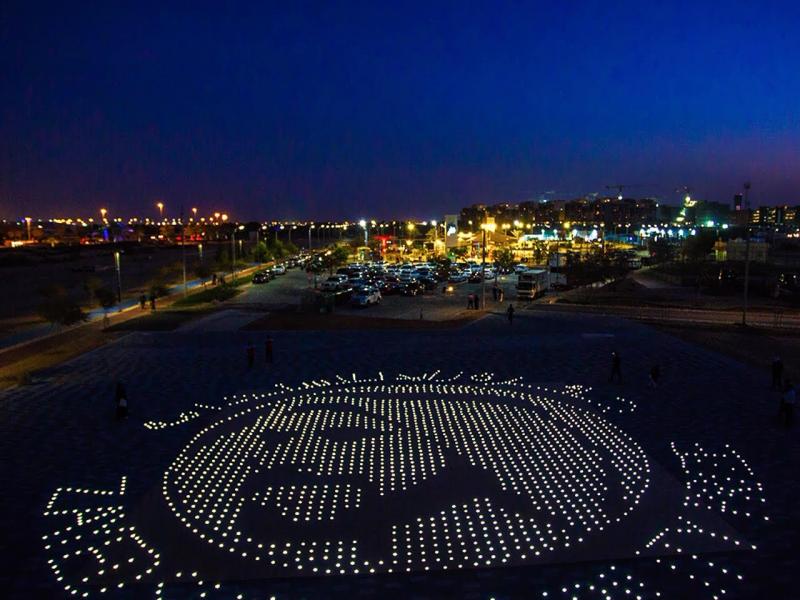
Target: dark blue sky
(350, 110)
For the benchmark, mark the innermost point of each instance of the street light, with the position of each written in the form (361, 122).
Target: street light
(160, 206)
(103, 212)
(746, 250)
(485, 227)
(363, 224)
(194, 212)
(119, 279)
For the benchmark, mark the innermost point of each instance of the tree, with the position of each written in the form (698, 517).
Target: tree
(105, 297)
(334, 258)
(202, 271)
(539, 253)
(58, 308)
(276, 248)
(261, 252)
(504, 259)
(660, 249)
(157, 286)
(91, 285)
(697, 247)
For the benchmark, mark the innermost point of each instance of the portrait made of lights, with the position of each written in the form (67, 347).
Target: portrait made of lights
(371, 475)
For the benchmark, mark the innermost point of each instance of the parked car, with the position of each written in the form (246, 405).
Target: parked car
(412, 288)
(333, 283)
(365, 296)
(457, 277)
(429, 282)
(520, 268)
(262, 276)
(388, 284)
(279, 269)
(475, 277)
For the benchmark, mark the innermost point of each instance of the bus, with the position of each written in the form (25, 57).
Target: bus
(532, 283)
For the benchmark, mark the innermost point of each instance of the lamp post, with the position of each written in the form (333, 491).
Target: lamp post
(233, 255)
(28, 227)
(183, 253)
(746, 250)
(363, 224)
(484, 227)
(160, 206)
(310, 227)
(119, 279)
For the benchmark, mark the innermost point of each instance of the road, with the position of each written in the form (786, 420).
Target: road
(648, 280)
(788, 320)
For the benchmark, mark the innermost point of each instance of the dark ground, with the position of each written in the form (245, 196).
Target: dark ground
(62, 433)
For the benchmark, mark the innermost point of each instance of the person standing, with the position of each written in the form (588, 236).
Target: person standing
(121, 400)
(510, 313)
(143, 301)
(251, 355)
(777, 373)
(655, 374)
(268, 350)
(152, 301)
(616, 367)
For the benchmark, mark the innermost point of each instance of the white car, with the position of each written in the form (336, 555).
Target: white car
(333, 283)
(365, 296)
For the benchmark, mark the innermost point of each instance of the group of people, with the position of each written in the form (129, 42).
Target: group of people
(474, 300)
(250, 352)
(498, 293)
(786, 388)
(616, 371)
(143, 299)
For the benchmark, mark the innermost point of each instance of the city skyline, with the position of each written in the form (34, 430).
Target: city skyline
(343, 112)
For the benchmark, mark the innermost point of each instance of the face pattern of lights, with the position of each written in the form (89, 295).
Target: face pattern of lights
(576, 472)
(278, 480)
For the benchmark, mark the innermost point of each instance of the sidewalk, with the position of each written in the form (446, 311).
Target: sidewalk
(41, 331)
(770, 319)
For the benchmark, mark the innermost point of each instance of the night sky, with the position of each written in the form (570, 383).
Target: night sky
(329, 110)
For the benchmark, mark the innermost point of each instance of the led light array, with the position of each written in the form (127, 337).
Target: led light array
(184, 417)
(309, 502)
(117, 551)
(721, 480)
(577, 469)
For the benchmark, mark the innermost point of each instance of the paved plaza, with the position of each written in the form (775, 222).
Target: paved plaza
(490, 461)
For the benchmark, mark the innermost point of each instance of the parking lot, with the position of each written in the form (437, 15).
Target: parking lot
(288, 289)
